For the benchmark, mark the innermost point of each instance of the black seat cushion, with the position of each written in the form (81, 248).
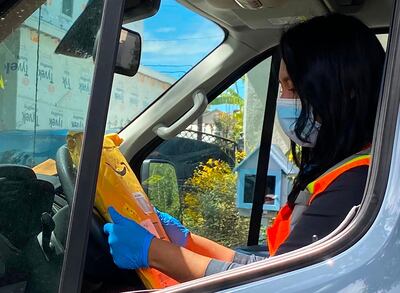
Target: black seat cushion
(23, 199)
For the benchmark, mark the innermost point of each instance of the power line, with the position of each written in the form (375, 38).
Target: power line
(181, 39)
(166, 65)
(178, 71)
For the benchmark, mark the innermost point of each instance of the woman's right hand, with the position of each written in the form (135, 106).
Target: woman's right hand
(176, 231)
(133, 247)
(129, 242)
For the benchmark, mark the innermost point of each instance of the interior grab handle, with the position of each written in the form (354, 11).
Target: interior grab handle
(200, 103)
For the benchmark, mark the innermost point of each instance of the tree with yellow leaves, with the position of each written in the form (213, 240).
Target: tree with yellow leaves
(210, 204)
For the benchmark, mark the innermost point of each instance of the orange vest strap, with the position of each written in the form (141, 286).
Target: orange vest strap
(279, 230)
(322, 183)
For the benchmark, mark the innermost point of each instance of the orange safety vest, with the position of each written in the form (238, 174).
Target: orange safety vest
(280, 230)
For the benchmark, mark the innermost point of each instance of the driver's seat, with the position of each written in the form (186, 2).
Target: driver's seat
(23, 200)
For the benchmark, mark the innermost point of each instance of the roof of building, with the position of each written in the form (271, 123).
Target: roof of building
(156, 75)
(277, 155)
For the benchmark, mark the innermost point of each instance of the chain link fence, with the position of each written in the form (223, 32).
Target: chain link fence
(228, 146)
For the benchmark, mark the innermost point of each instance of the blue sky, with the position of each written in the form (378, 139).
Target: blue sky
(175, 39)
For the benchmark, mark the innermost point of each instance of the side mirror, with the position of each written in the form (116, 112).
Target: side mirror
(129, 50)
(159, 181)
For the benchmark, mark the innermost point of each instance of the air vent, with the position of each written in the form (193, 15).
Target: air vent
(249, 4)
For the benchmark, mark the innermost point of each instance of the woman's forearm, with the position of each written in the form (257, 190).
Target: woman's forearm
(184, 265)
(177, 262)
(209, 248)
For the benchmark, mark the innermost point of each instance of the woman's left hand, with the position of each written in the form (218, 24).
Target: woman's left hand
(176, 231)
(129, 242)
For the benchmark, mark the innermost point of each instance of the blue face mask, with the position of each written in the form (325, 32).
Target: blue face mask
(288, 111)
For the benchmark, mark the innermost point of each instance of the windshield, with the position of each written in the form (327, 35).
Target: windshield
(43, 96)
(173, 41)
(46, 71)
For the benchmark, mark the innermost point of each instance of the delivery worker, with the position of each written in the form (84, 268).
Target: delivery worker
(330, 76)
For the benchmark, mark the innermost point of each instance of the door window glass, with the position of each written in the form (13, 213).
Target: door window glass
(215, 160)
(44, 96)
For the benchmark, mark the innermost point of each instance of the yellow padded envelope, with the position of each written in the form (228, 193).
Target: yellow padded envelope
(119, 187)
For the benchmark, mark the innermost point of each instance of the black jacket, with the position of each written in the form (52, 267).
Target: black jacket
(324, 215)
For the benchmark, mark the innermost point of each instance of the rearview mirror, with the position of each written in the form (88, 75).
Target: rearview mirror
(140, 9)
(87, 25)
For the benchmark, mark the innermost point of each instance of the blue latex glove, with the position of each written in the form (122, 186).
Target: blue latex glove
(129, 242)
(177, 233)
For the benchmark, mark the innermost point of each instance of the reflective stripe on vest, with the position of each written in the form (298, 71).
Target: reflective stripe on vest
(280, 230)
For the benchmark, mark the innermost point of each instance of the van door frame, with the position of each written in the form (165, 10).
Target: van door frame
(382, 147)
(85, 187)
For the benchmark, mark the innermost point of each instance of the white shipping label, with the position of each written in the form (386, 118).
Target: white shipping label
(143, 203)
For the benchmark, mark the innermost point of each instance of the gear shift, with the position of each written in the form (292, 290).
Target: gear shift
(48, 226)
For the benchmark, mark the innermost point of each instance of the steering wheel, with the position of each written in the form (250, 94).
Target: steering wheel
(99, 264)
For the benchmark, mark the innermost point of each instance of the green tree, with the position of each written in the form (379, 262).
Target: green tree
(163, 189)
(229, 97)
(230, 125)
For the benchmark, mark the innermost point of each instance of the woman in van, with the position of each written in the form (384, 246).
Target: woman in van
(330, 76)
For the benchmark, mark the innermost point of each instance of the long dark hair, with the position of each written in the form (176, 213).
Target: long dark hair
(335, 63)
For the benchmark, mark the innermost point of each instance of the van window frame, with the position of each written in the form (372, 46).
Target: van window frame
(265, 151)
(267, 130)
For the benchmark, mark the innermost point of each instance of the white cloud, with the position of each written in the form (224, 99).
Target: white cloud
(166, 30)
(200, 42)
